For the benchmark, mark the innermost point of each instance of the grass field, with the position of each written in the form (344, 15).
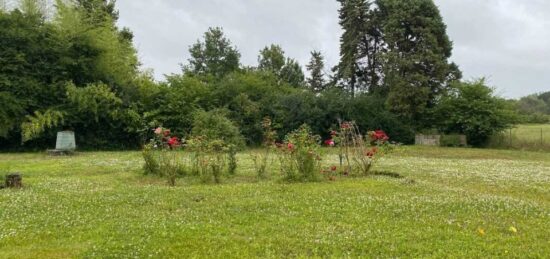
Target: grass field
(446, 203)
(534, 137)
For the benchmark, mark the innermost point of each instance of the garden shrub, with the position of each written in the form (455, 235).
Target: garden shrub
(161, 156)
(214, 125)
(451, 140)
(300, 158)
(359, 153)
(232, 159)
(211, 159)
(473, 109)
(261, 159)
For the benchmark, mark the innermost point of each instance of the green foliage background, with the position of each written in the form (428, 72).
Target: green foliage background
(78, 70)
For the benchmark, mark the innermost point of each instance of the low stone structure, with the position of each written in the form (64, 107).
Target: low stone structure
(427, 140)
(65, 144)
(452, 140)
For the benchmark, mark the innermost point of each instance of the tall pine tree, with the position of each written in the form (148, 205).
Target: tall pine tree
(359, 68)
(316, 80)
(416, 67)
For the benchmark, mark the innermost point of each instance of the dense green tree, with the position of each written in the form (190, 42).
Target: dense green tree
(272, 59)
(292, 73)
(359, 68)
(316, 81)
(533, 104)
(249, 96)
(98, 11)
(63, 73)
(214, 56)
(534, 108)
(472, 109)
(545, 97)
(33, 7)
(416, 66)
(31, 66)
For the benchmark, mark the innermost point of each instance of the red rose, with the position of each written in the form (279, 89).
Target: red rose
(378, 135)
(290, 146)
(329, 142)
(174, 142)
(370, 153)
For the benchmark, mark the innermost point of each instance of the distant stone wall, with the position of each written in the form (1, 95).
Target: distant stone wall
(427, 140)
(441, 140)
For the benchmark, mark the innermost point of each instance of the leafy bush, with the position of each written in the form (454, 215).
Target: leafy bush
(358, 153)
(451, 140)
(232, 159)
(161, 156)
(214, 125)
(211, 159)
(261, 159)
(472, 109)
(300, 158)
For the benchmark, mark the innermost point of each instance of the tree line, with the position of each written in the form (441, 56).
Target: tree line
(76, 69)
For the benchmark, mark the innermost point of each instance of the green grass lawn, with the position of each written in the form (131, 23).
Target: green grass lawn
(448, 203)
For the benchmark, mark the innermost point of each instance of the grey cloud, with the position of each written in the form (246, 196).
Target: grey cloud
(506, 41)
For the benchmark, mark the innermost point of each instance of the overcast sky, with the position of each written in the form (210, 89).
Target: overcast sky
(506, 41)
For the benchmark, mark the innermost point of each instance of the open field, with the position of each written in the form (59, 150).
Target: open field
(534, 137)
(446, 203)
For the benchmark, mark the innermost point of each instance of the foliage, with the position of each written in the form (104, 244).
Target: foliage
(272, 59)
(292, 73)
(534, 108)
(10, 113)
(161, 156)
(288, 71)
(416, 64)
(360, 45)
(212, 158)
(79, 63)
(299, 156)
(358, 153)
(44, 63)
(398, 49)
(39, 122)
(451, 140)
(232, 163)
(472, 109)
(262, 159)
(214, 125)
(316, 81)
(214, 56)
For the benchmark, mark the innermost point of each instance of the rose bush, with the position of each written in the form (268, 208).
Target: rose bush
(359, 153)
(160, 156)
(300, 158)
